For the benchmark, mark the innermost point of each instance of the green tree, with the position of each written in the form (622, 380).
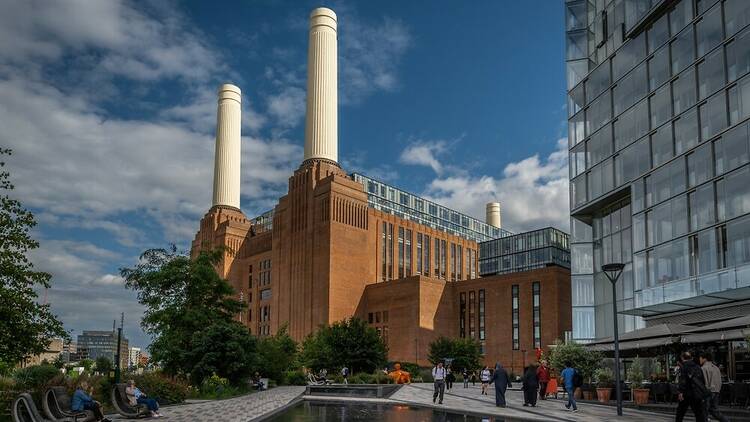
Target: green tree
(587, 361)
(27, 326)
(86, 364)
(185, 301)
(349, 342)
(104, 365)
(465, 352)
(278, 354)
(58, 363)
(225, 348)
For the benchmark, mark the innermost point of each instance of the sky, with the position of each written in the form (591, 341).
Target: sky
(110, 110)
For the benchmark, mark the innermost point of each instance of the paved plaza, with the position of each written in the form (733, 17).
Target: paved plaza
(458, 399)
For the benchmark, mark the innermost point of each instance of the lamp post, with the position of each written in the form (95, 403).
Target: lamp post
(613, 272)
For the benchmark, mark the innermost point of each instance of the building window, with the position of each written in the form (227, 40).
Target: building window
(472, 315)
(390, 251)
(443, 260)
(437, 258)
(250, 277)
(536, 293)
(481, 315)
(265, 294)
(459, 261)
(462, 315)
(453, 261)
(384, 250)
(468, 263)
(419, 253)
(377, 317)
(407, 246)
(400, 252)
(426, 262)
(515, 317)
(370, 318)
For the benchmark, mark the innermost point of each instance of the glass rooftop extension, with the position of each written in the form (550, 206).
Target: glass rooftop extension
(391, 200)
(524, 252)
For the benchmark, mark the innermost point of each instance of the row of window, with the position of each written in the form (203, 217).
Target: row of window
(476, 315)
(523, 242)
(377, 317)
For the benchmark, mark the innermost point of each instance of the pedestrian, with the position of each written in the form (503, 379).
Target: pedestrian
(449, 378)
(502, 382)
(484, 376)
(691, 388)
(712, 377)
(568, 376)
(465, 376)
(543, 375)
(438, 375)
(345, 374)
(136, 397)
(474, 378)
(82, 400)
(530, 386)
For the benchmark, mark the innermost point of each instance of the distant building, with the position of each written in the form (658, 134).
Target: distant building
(103, 343)
(524, 251)
(69, 351)
(50, 354)
(134, 356)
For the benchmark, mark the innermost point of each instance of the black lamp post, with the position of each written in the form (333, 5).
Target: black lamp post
(613, 272)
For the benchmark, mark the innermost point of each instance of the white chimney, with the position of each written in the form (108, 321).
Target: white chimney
(227, 155)
(321, 124)
(493, 214)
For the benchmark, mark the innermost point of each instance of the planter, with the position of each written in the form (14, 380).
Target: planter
(588, 395)
(603, 394)
(640, 395)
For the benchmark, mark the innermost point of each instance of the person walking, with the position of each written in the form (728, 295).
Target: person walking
(484, 376)
(502, 382)
(568, 377)
(345, 374)
(542, 373)
(691, 388)
(474, 378)
(465, 376)
(712, 377)
(530, 386)
(449, 378)
(438, 375)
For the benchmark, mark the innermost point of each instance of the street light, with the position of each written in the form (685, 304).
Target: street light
(613, 272)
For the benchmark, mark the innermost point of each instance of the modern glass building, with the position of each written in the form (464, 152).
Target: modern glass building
(524, 251)
(658, 103)
(408, 206)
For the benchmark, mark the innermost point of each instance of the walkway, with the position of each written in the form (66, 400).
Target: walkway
(238, 409)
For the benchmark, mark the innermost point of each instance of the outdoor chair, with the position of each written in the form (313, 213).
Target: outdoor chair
(123, 407)
(660, 389)
(56, 406)
(740, 394)
(24, 410)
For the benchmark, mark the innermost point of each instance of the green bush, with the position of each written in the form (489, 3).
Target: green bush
(35, 377)
(9, 390)
(426, 374)
(410, 367)
(381, 378)
(296, 377)
(159, 386)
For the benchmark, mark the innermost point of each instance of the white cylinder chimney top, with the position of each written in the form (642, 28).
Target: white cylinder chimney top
(228, 151)
(493, 214)
(321, 121)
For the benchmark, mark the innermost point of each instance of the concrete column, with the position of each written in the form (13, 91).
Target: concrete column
(321, 122)
(493, 214)
(228, 151)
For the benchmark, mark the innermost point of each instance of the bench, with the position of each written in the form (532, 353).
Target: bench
(56, 406)
(123, 407)
(24, 410)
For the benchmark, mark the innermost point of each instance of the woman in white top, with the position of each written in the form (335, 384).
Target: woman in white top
(485, 376)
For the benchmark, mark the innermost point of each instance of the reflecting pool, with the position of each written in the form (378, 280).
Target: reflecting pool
(366, 412)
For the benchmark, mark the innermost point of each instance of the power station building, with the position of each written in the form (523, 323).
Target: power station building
(339, 245)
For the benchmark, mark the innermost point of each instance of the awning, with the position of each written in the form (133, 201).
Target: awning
(740, 322)
(736, 334)
(656, 331)
(636, 344)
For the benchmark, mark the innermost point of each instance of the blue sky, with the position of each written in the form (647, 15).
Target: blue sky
(110, 109)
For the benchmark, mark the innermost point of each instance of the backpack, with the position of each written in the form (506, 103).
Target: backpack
(699, 386)
(577, 379)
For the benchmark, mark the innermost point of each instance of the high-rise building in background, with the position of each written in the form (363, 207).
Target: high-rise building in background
(658, 103)
(134, 356)
(102, 343)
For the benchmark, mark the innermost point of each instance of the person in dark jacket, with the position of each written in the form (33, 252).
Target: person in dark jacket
(465, 375)
(542, 373)
(691, 388)
(502, 382)
(449, 378)
(530, 386)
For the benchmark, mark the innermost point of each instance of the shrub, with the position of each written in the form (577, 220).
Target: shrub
(409, 367)
(604, 377)
(296, 377)
(214, 384)
(158, 385)
(381, 378)
(635, 373)
(466, 353)
(350, 342)
(583, 359)
(277, 355)
(35, 377)
(426, 374)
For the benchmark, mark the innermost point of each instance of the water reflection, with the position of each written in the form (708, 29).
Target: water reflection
(366, 412)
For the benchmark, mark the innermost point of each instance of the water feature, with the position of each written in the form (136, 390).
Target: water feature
(371, 412)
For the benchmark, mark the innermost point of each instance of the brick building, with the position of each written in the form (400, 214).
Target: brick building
(339, 245)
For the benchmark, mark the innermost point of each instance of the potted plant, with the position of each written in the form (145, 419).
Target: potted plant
(604, 384)
(635, 375)
(588, 392)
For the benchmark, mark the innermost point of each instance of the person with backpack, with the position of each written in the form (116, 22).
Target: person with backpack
(345, 374)
(712, 377)
(691, 388)
(438, 376)
(570, 376)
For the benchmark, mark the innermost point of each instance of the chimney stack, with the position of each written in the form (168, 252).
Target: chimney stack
(493, 214)
(321, 123)
(227, 155)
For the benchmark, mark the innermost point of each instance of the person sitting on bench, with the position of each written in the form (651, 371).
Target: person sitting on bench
(136, 397)
(82, 400)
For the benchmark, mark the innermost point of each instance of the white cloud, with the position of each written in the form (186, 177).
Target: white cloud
(533, 192)
(288, 106)
(424, 153)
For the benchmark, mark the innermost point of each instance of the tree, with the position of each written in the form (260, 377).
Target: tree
(58, 363)
(587, 361)
(104, 365)
(465, 352)
(27, 326)
(86, 364)
(187, 305)
(349, 342)
(225, 348)
(278, 354)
